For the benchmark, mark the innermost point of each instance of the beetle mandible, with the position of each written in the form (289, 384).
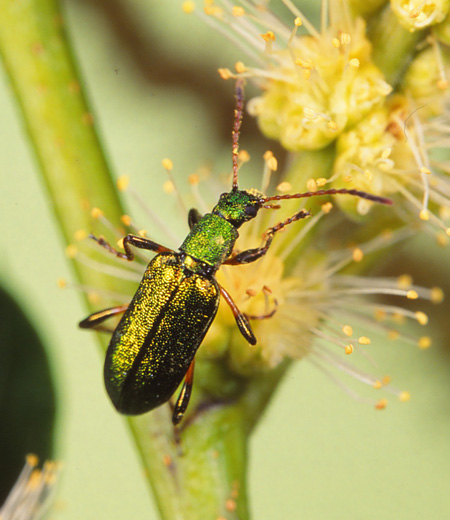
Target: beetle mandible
(154, 345)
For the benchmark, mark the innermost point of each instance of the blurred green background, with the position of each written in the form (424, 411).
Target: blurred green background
(150, 74)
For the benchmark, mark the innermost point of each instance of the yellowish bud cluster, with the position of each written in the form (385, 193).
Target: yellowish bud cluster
(319, 88)
(418, 14)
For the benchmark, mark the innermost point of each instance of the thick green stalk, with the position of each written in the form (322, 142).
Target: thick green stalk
(393, 46)
(201, 473)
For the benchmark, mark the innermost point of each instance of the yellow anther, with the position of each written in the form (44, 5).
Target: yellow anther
(142, 233)
(298, 22)
(393, 334)
(442, 239)
(269, 36)
(348, 349)
(425, 170)
(237, 10)
(368, 174)
(188, 7)
(168, 187)
(381, 405)
(306, 74)
(80, 234)
(347, 178)
(321, 181)
(421, 317)
(122, 182)
(272, 163)
(311, 185)
(424, 342)
(284, 187)
(404, 396)
(167, 164)
(304, 64)
(225, 73)
(32, 459)
(364, 340)
(442, 84)
(332, 125)
(347, 330)
(309, 113)
(354, 63)
(412, 295)
(93, 297)
(251, 292)
(230, 505)
(213, 10)
(193, 179)
(424, 214)
(385, 380)
(447, 232)
(240, 67)
(243, 156)
(404, 281)
(336, 43)
(96, 213)
(71, 251)
(62, 283)
(345, 38)
(266, 290)
(126, 220)
(377, 385)
(120, 243)
(380, 314)
(327, 207)
(357, 254)
(437, 295)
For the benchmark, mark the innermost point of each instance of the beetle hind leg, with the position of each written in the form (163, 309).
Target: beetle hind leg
(95, 320)
(185, 395)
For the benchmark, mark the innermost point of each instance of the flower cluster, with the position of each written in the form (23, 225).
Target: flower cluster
(329, 86)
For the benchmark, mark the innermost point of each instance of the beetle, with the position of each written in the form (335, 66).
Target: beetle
(154, 345)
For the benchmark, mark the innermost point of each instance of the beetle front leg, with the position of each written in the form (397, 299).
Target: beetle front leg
(240, 317)
(94, 321)
(193, 217)
(185, 395)
(251, 255)
(133, 240)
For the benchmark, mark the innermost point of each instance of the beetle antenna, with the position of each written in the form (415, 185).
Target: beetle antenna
(238, 111)
(343, 191)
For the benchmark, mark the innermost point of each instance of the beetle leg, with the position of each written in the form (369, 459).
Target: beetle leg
(240, 317)
(185, 395)
(193, 217)
(140, 242)
(251, 255)
(93, 321)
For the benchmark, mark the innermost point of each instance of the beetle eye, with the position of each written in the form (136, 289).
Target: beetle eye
(251, 211)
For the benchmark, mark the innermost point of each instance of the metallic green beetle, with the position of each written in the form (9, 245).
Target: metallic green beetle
(154, 345)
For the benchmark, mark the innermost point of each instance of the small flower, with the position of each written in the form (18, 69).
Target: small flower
(31, 494)
(418, 14)
(322, 86)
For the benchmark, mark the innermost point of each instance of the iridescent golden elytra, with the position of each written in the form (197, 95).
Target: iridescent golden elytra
(153, 348)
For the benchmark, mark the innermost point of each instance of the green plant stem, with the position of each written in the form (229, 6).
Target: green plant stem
(41, 71)
(199, 473)
(393, 46)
